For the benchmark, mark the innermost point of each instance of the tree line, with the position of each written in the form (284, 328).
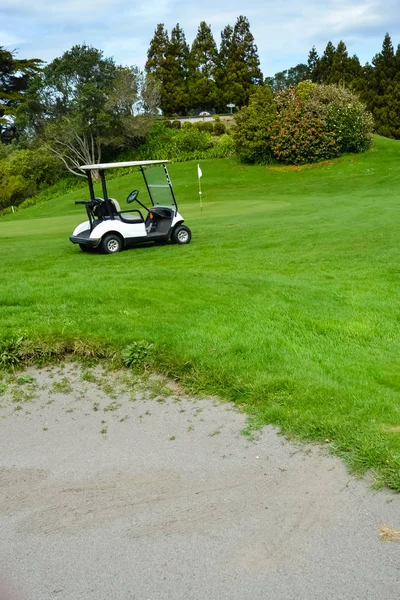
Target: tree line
(203, 76)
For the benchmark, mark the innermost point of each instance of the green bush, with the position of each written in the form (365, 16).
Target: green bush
(63, 186)
(181, 145)
(14, 189)
(224, 147)
(187, 125)
(304, 89)
(253, 127)
(38, 166)
(7, 150)
(205, 126)
(23, 173)
(219, 128)
(176, 125)
(351, 124)
(351, 127)
(193, 139)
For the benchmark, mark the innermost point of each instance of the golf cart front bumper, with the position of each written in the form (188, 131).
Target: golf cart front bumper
(84, 241)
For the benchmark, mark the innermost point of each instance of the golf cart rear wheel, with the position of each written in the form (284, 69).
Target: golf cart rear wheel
(181, 235)
(111, 244)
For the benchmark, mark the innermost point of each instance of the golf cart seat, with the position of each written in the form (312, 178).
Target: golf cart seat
(116, 204)
(124, 216)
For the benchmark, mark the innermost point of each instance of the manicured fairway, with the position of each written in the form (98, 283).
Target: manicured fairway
(287, 299)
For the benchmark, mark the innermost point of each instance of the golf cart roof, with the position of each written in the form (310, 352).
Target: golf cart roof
(116, 165)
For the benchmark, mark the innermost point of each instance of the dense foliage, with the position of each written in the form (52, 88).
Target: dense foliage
(300, 125)
(23, 173)
(253, 127)
(377, 84)
(188, 143)
(15, 75)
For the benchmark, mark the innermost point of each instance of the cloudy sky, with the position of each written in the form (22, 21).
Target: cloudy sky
(283, 31)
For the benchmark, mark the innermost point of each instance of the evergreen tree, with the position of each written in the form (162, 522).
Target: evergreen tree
(386, 102)
(313, 65)
(175, 83)
(340, 71)
(155, 64)
(379, 89)
(202, 69)
(155, 68)
(243, 65)
(222, 62)
(326, 63)
(385, 66)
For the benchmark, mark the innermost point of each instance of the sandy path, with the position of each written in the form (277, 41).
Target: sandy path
(112, 491)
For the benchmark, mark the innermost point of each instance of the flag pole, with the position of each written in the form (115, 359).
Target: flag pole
(201, 196)
(199, 175)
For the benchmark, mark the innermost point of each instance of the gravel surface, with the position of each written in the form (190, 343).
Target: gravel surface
(114, 489)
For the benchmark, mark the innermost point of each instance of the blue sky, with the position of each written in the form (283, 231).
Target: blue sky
(284, 31)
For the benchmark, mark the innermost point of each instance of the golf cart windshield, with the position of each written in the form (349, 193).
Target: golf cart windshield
(159, 186)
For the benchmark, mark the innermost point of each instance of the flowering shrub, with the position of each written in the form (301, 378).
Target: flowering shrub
(320, 122)
(299, 135)
(307, 124)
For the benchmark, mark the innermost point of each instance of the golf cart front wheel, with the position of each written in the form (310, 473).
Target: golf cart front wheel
(181, 235)
(111, 244)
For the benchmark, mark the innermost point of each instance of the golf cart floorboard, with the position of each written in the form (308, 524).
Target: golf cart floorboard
(84, 234)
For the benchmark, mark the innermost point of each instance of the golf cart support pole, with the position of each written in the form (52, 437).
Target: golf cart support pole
(90, 184)
(147, 185)
(91, 193)
(170, 186)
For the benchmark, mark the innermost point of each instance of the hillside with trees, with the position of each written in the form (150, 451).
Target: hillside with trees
(83, 107)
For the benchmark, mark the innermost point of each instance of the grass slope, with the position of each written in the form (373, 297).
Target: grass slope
(286, 301)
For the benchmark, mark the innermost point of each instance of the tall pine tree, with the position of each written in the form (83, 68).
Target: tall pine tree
(222, 62)
(203, 61)
(313, 65)
(156, 67)
(175, 85)
(379, 89)
(242, 70)
(326, 63)
(385, 83)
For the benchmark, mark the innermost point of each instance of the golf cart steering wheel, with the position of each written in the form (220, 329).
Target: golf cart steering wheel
(132, 196)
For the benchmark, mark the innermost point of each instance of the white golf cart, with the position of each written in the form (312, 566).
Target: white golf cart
(110, 229)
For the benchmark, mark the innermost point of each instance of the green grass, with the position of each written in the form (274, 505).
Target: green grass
(286, 301)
